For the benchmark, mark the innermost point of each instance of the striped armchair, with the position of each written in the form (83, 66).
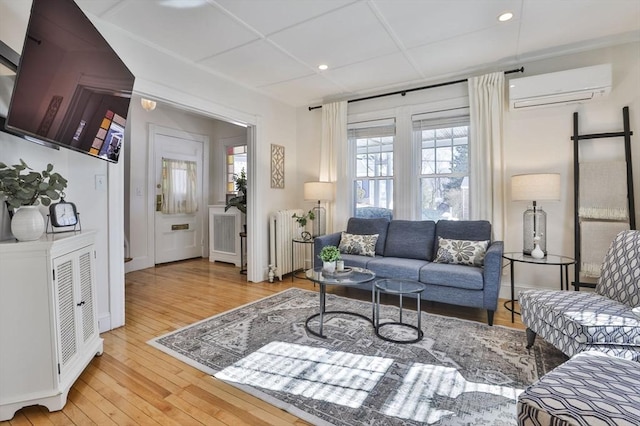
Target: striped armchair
(603, 320)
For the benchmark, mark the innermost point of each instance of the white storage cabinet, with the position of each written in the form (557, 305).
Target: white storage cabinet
(48, 319)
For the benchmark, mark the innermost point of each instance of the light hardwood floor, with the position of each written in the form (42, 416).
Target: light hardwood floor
(134, 383)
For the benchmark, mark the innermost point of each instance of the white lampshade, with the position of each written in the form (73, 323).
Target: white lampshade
(147, 104)
(535, 187)
(318, 191)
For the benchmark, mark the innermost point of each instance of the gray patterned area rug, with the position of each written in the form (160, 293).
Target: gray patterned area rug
(461, 373)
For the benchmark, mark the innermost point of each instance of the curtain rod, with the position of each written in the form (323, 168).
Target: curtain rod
(404, 92)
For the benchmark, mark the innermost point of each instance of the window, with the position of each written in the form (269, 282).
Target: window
(443, 146)
(236, 162)
(372, 144)
(179, 192)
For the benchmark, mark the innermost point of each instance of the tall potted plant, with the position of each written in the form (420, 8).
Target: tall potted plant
(239, 201)
(23, 189)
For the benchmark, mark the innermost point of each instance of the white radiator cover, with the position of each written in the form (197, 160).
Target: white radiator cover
(224, 235)
(282, 229)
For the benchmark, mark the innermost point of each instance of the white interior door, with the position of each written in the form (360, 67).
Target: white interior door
(178, 236)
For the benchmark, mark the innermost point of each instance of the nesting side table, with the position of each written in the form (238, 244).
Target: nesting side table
(399, 287)
(549, 259)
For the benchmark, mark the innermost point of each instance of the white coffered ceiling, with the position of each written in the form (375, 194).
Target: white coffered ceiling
(275, 46)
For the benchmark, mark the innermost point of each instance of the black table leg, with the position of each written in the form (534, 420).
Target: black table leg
(512, 293)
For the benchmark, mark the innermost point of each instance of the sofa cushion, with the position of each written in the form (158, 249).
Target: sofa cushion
(588, 318)
(357, 260)
(473, 230)
(410, 239)
(378, 226)
(461, 252)
(396, 267)
(620, 279)
(364, 245)
(590, 389)
(460, 276)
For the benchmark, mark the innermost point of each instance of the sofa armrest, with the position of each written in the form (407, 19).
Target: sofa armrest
(322, 241)
(492, 274)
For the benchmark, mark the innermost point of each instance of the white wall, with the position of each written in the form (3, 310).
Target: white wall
(79, 169)
(224, 134)
(162, 77)
(140, 192)
(535, 141)
(167, 79)
(539, 141)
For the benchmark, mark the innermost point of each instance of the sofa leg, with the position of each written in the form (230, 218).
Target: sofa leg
(490, 317)
(531, 337)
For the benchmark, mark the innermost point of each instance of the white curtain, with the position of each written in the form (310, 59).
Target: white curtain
(179, 192)
(486, 104)
(334, 135)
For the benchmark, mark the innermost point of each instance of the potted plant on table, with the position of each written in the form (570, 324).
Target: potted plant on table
(329, 256)
(302, 222)
(23, 190)
(239, 200)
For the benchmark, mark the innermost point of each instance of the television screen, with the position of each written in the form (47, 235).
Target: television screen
(71, 88)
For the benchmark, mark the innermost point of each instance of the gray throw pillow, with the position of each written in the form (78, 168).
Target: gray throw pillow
(364, 245)
(461, 252)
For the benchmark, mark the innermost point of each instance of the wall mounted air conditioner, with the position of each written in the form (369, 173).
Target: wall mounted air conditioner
(560, 88)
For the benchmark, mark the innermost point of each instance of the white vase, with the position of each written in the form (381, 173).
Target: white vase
(27, 223)
(329, 267)
(537, 252)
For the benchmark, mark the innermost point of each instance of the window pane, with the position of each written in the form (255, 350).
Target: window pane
(444, 198)
(236, 162)
(373, 147)
(444, 168)
(374, 193)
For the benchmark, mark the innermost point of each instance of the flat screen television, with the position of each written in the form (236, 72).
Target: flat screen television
(71, 87)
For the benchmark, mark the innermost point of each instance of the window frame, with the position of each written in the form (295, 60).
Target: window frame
(372, 129)
(440, 122)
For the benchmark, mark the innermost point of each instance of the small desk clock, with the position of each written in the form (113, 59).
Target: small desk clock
(63, 214)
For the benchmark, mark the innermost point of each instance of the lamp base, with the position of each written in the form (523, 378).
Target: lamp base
(320, 225)
(534, 221)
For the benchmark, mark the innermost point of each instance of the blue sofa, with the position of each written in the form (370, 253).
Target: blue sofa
(406, 249)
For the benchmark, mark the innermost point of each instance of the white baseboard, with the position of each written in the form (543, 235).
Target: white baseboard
(138, 263)
(104, 323)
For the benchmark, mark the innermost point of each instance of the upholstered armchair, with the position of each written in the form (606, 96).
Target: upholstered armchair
(604, 320)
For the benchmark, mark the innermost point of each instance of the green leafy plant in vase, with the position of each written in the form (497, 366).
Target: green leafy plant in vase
(302, 222)
(329, 256)
(239, 201)
(304, 218)
(23, 189)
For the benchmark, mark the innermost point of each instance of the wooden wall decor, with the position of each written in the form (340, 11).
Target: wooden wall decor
(277, 166)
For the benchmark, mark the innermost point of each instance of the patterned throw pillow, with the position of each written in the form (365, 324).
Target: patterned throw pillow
(461, 252)
(364, 245)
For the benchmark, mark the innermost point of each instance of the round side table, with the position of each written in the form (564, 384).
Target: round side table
(549, 259)
(400, 287)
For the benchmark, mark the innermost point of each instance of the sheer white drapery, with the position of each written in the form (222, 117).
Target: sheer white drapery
(486, 104)
(334, 135)
(334, 132)
(179, 193)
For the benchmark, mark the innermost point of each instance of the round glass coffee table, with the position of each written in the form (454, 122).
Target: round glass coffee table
(400, 287)
(350, 277)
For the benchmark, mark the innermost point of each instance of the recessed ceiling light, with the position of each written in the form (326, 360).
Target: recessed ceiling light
(183, 4)
(505, 16)
(323, 67)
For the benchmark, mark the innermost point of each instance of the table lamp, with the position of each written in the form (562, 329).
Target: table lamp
(535, 187)
(319, 191)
